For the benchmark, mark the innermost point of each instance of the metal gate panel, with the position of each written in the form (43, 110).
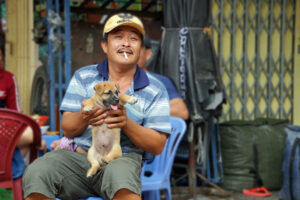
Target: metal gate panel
(59, 56)
(254, 43)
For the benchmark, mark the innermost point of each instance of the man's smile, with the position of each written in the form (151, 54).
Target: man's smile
(127, 51)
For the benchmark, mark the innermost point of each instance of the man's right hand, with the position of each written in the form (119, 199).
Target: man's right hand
(95, 117)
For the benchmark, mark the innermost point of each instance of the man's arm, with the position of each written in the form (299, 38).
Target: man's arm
(75, 123)
(178, 108)
(147, 139)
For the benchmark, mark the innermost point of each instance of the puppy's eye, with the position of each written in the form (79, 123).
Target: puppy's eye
(117, 92)
(107, 92)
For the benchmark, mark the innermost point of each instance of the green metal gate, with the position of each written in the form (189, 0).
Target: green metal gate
(254, 42)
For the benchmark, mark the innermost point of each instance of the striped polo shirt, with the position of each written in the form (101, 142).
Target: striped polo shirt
(152, 109)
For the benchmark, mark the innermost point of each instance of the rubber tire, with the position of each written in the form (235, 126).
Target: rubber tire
(40, 92)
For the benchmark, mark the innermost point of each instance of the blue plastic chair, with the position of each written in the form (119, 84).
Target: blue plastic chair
(155, 175)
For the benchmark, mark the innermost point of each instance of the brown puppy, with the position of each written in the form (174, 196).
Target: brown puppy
(105, 141)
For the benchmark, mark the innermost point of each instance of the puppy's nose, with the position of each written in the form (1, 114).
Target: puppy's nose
(116, 99)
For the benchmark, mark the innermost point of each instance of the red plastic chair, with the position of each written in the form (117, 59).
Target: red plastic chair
(12, 125)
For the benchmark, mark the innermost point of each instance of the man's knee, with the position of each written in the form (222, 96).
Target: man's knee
(37, 196)
(45, 163)
(41, 173)
(39, 168)
(126, 194)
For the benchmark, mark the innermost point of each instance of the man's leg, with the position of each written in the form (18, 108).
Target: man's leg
(37, 196)
(60, 174)
(120, 179)
(125, 194)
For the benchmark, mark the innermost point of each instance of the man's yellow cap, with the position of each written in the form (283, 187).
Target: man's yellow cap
(123, 19)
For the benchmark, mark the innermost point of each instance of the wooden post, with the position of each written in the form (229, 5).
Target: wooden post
(19, 58)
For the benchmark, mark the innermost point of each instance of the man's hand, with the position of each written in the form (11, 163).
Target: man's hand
(118, 118)
(95, 117)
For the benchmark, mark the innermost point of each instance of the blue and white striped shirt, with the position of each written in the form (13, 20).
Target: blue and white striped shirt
(152, 109)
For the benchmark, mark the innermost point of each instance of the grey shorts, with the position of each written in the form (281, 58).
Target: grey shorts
(62, 174)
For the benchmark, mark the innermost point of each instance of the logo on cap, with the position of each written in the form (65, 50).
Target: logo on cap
(126, 17)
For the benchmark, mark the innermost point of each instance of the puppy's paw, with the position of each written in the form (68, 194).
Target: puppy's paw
(87, 109)
(90, 173)
(104, 161)
(132, 100)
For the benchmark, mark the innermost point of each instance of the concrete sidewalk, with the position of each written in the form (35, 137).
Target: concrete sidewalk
(207, 193)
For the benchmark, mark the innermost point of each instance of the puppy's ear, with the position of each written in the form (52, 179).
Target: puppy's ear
(99, 87)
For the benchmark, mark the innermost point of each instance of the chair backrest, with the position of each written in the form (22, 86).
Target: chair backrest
(12, 125)
(164, 161)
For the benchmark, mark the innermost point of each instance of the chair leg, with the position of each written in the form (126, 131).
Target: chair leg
(149, 195)
(157, 194)
(168, 194)
(17, 189)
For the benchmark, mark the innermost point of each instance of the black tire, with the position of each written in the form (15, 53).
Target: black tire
(39, 100)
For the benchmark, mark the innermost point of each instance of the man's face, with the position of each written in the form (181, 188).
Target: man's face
(123, 45)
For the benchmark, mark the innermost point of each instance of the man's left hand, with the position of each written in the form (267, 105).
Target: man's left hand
(117, 119)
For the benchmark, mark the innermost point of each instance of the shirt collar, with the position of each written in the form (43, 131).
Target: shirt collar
(140, 79)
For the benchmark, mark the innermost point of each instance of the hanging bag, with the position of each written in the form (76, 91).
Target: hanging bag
(291, 165)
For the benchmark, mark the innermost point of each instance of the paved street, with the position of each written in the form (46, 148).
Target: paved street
(182, 193)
